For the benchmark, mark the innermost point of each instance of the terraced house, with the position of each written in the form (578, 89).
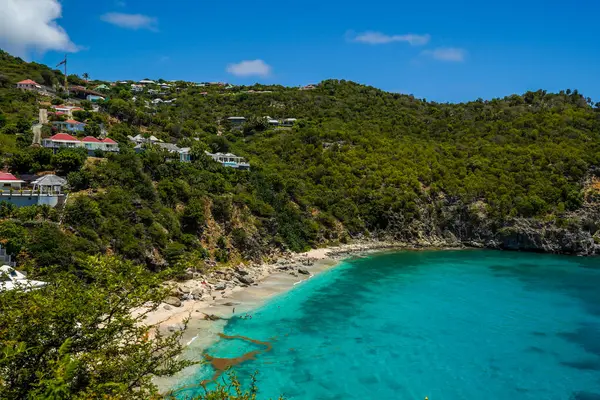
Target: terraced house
(91, 144)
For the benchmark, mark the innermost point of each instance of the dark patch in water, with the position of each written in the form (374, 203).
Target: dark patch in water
(541, 334)
(585, 396)
(585, 365)
(222, 364)
(535, 349)
(587, 336)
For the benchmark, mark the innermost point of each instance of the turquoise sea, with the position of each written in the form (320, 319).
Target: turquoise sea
(449, 325)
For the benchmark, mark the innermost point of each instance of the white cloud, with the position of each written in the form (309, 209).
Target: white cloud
(451, 54)
(250, 68)
(27, 25)
(382, 38)
(131, 21)
(120, 3)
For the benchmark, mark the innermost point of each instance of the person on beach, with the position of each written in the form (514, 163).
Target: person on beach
(233, 311)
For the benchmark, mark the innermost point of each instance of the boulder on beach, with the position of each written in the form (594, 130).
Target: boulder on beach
(175, 328)
(173, 301)
(198, 293)
(220, 286)
(303, 271)
(246, 279)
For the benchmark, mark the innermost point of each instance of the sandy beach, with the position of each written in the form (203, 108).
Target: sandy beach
(269, 280)
(221, 291)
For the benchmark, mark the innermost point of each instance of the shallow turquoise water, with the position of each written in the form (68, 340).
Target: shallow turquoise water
(450, 325)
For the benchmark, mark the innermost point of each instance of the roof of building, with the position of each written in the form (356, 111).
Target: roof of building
(73, 122)
(236, 118)
(27, 82)
(63, 137)
(8, 177)
(168, 146)
(50, 180)
(91, 139)
(108, 140)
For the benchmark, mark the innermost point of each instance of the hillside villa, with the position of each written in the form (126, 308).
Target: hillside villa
(28, 84)
(69, 125)
(91, 144)
(237, 121)
(11, 279)
(288, 122)
(183, 154)
(229, 160)
(46, 190)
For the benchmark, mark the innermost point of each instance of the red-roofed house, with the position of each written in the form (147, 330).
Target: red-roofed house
(91, 144)
(28, 84)
(110, 145)
(61, 140)
(9, 181)
(69, 125)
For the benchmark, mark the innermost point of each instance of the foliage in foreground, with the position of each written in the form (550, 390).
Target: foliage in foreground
(80, 338)
(229, 388)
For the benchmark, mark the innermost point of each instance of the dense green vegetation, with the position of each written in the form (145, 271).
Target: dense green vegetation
(359, 163)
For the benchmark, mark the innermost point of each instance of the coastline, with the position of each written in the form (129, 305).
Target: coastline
(238, 298)
(246, 287)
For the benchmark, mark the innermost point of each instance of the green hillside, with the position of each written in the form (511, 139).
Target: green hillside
(359, 163)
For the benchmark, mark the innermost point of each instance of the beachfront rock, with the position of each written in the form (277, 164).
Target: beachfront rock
(303, 271)
(173, 301)
(246, 279)
(242, 272)
(220, 286)
(167, 307)
(198, 293)
(175, 328)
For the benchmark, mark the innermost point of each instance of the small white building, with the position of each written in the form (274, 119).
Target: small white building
(229, 160)
(237, 121)
(289, 122)
(146, 82)
(271, 121)
(11, 279)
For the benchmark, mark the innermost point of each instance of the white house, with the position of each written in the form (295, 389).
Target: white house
(28, 84)
(229, 160)
(137, 88)
(271, 121)
(288, 122)
(236, 121)
(11, 279)
(157, 101)
(146, 82)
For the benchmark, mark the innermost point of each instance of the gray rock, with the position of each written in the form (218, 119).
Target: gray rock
(173, 301)
(303, 271)
(243, 272)
(220, 286)
(175, 328)
(246, 280)
(167, 307)
(198, 293)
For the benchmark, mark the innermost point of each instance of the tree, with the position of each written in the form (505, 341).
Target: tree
(85, 77)
(68, 160)
(4, 81)
(82, 338)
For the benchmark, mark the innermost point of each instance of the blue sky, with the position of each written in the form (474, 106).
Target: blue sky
(439, 50)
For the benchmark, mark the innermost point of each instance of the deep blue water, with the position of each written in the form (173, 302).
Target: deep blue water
(450, 325)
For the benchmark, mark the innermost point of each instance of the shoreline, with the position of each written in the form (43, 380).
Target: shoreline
(269, 280)
(244, 287)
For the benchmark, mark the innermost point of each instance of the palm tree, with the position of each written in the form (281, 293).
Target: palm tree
(86, 76)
